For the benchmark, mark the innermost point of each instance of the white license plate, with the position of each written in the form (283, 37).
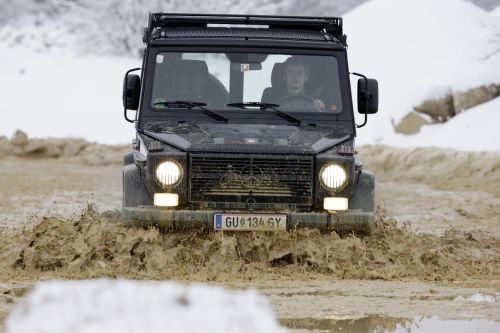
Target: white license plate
(241, 222)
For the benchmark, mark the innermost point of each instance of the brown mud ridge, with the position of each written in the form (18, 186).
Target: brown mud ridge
(444, 169)
(67, 148)
(97, 245)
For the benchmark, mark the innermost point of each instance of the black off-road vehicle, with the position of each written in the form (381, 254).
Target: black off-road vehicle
(246, 123)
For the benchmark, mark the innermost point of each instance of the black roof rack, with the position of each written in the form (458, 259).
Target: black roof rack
(330, 25)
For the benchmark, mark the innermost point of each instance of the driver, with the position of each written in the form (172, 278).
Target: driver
(296, 74)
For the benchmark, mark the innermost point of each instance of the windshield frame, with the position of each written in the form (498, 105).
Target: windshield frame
(148, 113)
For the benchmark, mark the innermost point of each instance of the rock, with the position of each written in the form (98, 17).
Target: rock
(74, 147)
(54, 149)
(19, 138)
(440, 109)
(463, 100)
(34, 146)
(411, 123)
(452, 103)
(39, 148)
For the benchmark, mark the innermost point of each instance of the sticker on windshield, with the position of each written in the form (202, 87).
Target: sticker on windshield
(245, 67)
(159, 59)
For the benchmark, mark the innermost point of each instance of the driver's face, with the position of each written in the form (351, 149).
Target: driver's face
(295, 77)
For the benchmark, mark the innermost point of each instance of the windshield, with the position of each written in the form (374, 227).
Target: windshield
(295, 83)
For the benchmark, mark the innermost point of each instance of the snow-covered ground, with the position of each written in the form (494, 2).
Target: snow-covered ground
(474, 130)
(64, 95)
(132, 306)
(415, 48)
(496, 11)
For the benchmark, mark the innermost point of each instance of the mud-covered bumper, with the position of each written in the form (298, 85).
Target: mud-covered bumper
(351, 220)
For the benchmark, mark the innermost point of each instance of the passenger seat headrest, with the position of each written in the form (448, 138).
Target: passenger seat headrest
(197, 68)
(277, 75)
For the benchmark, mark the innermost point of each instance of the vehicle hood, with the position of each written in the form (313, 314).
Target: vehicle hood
(248, 137)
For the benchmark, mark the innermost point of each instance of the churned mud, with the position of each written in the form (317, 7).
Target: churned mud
(96, 244)
(435, 249)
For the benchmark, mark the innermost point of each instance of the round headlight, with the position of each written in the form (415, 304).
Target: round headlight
(333, 176)
(168, 172)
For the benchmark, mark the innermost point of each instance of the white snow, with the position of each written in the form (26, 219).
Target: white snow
(57, 95)
(121, 306)
(496, 11)
(417, 48)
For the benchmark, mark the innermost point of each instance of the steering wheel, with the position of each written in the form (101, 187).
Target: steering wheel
(296, 101)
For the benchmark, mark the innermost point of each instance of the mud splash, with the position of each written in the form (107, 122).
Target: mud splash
(96, 245)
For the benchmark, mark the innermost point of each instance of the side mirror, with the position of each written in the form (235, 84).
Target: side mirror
(131, 91)
(367, 96)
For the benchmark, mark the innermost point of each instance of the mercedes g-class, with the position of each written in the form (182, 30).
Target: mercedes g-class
(246, 122)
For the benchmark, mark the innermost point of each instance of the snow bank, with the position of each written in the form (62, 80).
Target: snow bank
(415, 48)
(131, 306)
(473, 130)
(496, 11)
(64, 96)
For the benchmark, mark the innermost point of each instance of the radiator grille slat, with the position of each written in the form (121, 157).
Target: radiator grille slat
(233, 178)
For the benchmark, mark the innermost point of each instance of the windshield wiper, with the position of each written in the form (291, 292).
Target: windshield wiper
(265, 106)
(191, 105)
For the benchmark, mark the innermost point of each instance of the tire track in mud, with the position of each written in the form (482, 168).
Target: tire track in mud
(96, 245)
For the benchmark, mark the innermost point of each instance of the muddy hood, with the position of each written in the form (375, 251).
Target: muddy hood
(248, 138)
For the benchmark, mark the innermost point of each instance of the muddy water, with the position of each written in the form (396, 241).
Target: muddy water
(378, 324)
(429, 210)
(443, 265)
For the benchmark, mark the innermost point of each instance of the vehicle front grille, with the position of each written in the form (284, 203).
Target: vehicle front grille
(267, 179)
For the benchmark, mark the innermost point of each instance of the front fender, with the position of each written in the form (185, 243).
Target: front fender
(363, 197)
(134, 191)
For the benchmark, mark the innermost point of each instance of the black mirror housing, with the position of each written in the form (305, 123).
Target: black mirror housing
(131, 91)
(367, 96)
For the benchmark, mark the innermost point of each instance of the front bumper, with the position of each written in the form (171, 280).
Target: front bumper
(348, 221)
